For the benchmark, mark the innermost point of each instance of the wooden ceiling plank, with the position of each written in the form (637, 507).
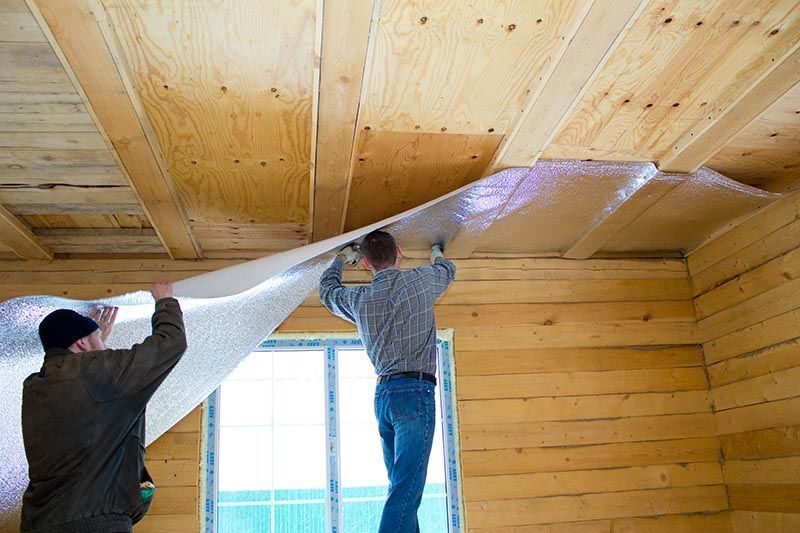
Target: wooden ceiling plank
(346, 37)
(19, 238)
(602, 28)
(647, 195)
(86, 54)
(720, 126)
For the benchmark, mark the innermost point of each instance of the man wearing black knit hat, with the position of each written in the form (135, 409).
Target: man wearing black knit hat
(83, 418)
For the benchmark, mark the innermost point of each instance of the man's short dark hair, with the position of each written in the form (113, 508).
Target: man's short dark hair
(380, 249)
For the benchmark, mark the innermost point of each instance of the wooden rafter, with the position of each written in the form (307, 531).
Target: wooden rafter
(601, 30)
(75, 31)
(345, 41)
(648, 193)
(595, 37)
(719, 127)
(19, 238)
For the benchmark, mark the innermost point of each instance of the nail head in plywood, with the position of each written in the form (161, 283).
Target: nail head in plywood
(345, 40)
(397, 171)
(75, 35)
(233, 111)
(15, 235)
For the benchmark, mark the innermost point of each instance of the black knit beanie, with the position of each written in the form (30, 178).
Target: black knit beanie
(63, 327)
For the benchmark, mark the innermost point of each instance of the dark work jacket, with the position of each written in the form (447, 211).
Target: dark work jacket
(83, 427)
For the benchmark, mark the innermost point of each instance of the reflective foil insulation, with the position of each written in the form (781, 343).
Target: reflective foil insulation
(230, 311)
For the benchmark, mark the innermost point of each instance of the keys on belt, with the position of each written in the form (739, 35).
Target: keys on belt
(422, 376)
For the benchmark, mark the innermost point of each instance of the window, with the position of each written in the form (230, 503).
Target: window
(292, 443)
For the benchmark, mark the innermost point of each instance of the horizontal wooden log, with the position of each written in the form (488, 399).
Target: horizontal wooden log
(577, 335)
(774, 386)
(773, 470)
(764, 222)
(757, 309)
(512, 361)
(174, 501)
(101, 240)
(586, 457)
(175, 472)
(581, 383)
(760, 416)
(475, 412)
(745, 521)
(765, 278)
(764, 443)
(765, 497)
(174, 446)
(506, 487)
(569, 433)
(756, 337)
(170, 523)
(745, 259)
(524, 291)
(490, 514)
(772, 359)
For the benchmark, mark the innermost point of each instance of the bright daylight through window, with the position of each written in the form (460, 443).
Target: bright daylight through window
(293, 446)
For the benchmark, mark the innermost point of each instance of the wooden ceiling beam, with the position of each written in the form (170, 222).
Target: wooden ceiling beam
(576, 64)
(20, 239)
(79, 35)
(721, 125)
(648, 193)
(347, 31)
(582, 58)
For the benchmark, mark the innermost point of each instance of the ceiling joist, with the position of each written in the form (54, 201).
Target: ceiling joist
(19, 238)
(346, 30)
(74, 29)
(647, 195)
(720, 126)
(583, 57)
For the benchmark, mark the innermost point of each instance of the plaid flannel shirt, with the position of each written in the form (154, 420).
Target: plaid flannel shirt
(393, 314)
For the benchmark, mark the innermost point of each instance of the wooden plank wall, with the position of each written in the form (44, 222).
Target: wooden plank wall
(174, 462)
(582, 397)
(747, 299)
(583, 400)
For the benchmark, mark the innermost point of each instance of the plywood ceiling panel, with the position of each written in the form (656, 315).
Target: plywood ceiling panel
(679, 60)
(228, 90)
(766, 154)
(396, 171)
(448, 65)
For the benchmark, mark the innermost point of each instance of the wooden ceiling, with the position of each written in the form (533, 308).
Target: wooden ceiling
(236, 129)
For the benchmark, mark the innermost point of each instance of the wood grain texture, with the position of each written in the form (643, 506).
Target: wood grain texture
(232, 112)
(76, 35)
(584, 54)
(636, 103)
(764, 154)
(345, 40)
(396, 171)
(488, 59)
(18, 237)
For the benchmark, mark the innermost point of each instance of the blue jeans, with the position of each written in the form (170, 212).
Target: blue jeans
(406, 413)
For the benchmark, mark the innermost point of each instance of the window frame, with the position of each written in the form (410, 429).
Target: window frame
(330, 343)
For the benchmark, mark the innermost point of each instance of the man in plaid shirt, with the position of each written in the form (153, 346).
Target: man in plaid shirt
(394, 317)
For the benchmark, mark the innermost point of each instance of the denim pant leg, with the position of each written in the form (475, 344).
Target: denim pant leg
(406, 415)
